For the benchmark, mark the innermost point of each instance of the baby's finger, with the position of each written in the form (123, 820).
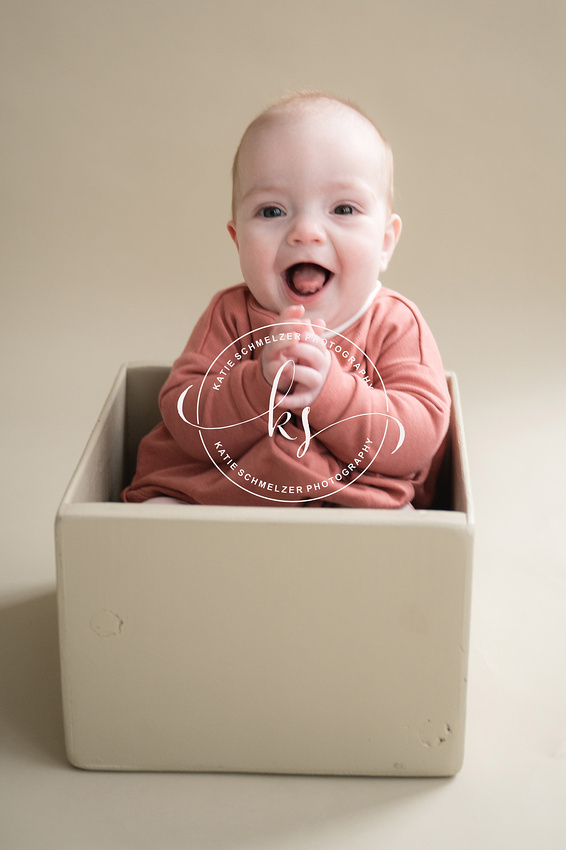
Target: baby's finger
(309, 354)
(305, 379)
(293, 318)
(295, 311)
(299, 399)
(319, 326)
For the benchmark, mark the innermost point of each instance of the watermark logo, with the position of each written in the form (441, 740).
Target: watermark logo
(304, 482)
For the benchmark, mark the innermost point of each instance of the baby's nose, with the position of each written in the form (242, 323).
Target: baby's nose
(305, 229)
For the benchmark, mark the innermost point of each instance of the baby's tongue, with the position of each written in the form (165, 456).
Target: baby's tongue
(307, 278)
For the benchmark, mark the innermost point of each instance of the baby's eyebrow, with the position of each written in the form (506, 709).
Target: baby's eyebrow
(349, 186)
(333, 187)
(260, 189)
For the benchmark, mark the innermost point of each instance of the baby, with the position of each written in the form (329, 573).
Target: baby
(310, 383)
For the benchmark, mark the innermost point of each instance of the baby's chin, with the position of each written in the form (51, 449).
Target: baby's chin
(324, 306)
(333, 312)
(330, 318)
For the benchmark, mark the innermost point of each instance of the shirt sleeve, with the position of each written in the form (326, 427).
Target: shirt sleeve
(222, 391)
(405, 409)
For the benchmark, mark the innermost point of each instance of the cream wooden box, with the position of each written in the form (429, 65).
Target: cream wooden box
(269, 639)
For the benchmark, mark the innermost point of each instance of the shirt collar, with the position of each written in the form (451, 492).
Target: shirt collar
(367, 303)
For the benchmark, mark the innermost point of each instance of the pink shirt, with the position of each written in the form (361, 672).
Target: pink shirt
(356, 462)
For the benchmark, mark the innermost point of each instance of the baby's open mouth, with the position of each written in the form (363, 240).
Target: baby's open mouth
(306, 278)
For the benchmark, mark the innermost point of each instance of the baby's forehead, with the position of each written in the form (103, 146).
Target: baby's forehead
(289, 126)
(332, 117)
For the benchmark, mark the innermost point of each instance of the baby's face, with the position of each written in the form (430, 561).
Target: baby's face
(312, 222)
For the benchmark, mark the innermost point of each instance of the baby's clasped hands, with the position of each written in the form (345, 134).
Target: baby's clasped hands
(308, 353)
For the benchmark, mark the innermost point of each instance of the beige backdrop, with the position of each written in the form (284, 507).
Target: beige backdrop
(120, 122)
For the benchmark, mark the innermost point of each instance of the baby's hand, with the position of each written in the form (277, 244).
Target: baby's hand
(309, 354)
(278, 353)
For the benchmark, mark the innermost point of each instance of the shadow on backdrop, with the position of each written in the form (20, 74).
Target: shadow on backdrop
(30, 697)
(31, 729)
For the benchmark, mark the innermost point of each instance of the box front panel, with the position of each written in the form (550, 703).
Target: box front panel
(298, 647)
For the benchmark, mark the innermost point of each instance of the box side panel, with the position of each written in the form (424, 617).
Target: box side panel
(144, 381)
(99, 473)
(460, 474)
(211, 646)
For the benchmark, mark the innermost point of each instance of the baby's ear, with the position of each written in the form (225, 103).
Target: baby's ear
(390, 239)
(232, 231)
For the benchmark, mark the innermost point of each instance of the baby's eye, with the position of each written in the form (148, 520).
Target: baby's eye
(271, 212)
(344, 209)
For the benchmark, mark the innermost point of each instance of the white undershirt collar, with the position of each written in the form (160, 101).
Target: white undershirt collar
(367, 303)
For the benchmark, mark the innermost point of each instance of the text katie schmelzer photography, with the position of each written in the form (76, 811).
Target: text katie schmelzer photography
(218, 449)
